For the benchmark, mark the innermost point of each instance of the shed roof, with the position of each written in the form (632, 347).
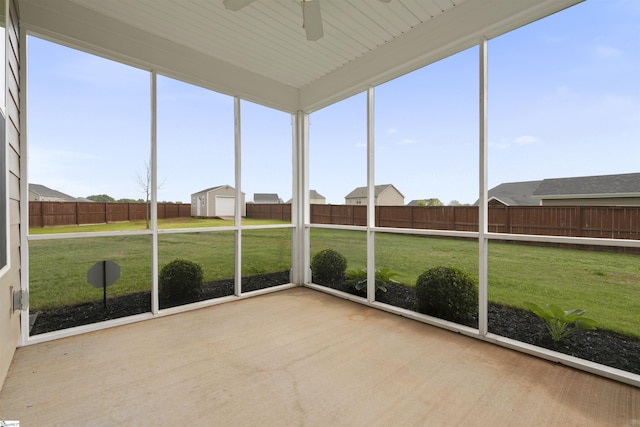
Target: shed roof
(207, 190)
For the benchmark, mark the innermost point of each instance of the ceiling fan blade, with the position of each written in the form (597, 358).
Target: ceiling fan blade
(385, 1)
(236, 4)
(312, 19)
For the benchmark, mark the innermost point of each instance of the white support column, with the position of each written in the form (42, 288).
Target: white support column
(238, 204)
(155, 305)
(371, 208)
(300, 209)
(483, 223)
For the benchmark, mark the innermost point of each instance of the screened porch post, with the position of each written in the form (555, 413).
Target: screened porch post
(155, 305)
(300, 208)
(483, 213)
(238, 196)
(371, 200)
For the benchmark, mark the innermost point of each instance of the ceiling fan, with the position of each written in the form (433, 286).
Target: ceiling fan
(311, 16)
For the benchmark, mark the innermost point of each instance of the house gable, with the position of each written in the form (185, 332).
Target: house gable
(514, 194)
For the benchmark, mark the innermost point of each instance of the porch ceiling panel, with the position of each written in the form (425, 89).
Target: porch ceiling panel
(261, 53)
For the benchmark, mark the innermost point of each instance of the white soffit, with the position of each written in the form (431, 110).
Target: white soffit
(260, 52)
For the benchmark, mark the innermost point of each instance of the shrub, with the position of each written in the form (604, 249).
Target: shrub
(328, 267)
(179, 279)
(358, 278)
(561, 323)
(447, 293)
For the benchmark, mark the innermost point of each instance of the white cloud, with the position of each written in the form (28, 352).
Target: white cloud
(361, 145)
(407, 141)
(500, 145)
(392, 131)
(606, 52)
(526, 140)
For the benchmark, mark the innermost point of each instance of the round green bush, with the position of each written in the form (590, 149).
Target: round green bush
(179, 279)
(447, 293)
(328, 267)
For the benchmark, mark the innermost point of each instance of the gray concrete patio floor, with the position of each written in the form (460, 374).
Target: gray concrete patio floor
(299, 358)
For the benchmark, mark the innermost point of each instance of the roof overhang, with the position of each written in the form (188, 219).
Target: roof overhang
(155, 41)
(586, 196)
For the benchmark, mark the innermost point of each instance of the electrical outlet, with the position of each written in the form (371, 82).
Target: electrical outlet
(18, 297)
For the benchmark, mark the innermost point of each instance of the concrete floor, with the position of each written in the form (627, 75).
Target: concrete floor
(299, 358)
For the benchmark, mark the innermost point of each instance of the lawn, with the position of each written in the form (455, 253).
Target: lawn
(186, 222)
(607, 285)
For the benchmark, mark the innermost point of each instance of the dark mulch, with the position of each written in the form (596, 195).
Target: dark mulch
(600, 346)
(129, 305)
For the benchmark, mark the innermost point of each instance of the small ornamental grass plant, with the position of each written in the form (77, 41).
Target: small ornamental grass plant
(178, 280)
(447, 293)
(561, 323)
(358, 278)
(328, 267)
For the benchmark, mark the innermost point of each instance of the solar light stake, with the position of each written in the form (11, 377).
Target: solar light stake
(103, 274)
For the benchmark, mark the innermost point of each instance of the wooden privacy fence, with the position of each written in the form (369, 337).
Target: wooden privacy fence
(616, 222)
(51, 214)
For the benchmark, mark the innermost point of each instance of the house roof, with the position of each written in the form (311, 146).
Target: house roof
(515, 193)
(260, 52)
(266, 198)
(621, 185)
(361, 192)
(313, 194)
(44, 191)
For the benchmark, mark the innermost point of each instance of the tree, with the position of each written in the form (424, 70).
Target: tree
(144, 183)
(455, 203)
(430, 202)
(101, 198)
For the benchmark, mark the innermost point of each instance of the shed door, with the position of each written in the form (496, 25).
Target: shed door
(225, 205)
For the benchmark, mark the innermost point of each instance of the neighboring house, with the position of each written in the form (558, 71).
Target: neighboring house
(602, 190)
(385, 195)
(315, 198)
(216, 201)
(514, 194)
(40, 193)
(266, 198)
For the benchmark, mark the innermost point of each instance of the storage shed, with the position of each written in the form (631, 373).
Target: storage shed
(216, 201)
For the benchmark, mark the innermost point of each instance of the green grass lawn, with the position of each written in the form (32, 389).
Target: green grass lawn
(186, 222)
(607, 285)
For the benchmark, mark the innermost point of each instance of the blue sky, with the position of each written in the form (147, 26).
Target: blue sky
(564, 100)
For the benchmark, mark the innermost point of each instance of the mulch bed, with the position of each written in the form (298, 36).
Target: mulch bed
(600, 346)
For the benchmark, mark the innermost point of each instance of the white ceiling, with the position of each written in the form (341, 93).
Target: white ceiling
(261, 53)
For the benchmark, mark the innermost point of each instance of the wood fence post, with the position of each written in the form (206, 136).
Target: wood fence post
(578, 219)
